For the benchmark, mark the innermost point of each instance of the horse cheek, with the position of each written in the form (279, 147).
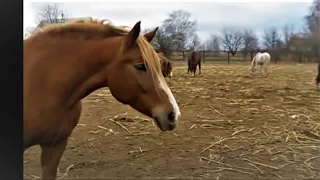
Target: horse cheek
(117, 89)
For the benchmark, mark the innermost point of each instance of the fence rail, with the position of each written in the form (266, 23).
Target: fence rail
(244, 56)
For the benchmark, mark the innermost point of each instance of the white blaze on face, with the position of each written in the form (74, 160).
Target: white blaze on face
(175, 106)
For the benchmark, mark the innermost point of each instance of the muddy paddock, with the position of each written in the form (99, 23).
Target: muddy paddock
(233, 126)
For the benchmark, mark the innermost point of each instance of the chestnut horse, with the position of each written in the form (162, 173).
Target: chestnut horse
(194, 60)
(66, 62)
(166, 65)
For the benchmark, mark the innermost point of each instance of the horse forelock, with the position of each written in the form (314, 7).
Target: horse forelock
(151, 59)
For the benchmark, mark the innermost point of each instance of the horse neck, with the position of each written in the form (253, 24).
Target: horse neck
(108, 49)
(87, 62)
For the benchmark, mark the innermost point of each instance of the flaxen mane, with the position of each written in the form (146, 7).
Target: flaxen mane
(94, 28)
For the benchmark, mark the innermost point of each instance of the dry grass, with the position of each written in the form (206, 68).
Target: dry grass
(236, 125)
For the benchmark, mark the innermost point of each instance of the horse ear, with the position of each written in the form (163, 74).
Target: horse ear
(133, 35)
(150, 35)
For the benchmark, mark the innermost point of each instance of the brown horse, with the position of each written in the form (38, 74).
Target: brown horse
(194, 60)
(166, 65)
(66, 62)
(318, 76)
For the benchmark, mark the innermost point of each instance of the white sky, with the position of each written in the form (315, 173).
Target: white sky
(211, 15)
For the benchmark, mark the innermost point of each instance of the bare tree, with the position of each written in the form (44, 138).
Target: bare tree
(51, 13)
(299, 46)
(162, 42)
(250, 41)
(288, 32)
(271, 37)
(313, 25)
(213, 43)
(313, 18)
(28, 31)
(272, 41)
(231, 40)
(153, 42)
(195, 43)
(179, 26)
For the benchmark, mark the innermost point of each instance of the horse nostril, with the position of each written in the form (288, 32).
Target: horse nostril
(171, 117)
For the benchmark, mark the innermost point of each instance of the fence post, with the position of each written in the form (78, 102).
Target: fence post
(228, 57)
(183, 56)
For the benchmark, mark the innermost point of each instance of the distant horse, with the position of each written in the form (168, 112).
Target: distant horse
(194, 60)
(64, 63)
(166, 65)
(262, 59)
(318, 76)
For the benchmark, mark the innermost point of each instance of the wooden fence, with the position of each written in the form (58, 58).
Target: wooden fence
(242, 56)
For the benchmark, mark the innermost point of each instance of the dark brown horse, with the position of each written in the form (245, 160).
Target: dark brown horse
(66, 62)
(166, 65)
(318, 76)
(194, 60)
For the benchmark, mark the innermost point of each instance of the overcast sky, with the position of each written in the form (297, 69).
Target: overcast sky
(210, 16)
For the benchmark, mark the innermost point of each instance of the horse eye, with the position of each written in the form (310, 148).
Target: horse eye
(141, 67)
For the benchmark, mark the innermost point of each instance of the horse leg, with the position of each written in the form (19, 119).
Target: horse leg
(52, 152)
(266, 69)
(199, 68)
(262, 69)
(50, 158)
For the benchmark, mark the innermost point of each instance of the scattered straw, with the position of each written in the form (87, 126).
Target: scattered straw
(101, 127)
(141, 151)
(218, 142)
(215, 110)
(230, 169)
(238, 131)
(140, 133)
(120, 125)
(191, 127)
(110, 132)
(66, 173)
(224, 164)
(256, 167)
(266, 165)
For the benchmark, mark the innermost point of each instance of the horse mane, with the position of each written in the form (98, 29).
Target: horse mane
(93, 28)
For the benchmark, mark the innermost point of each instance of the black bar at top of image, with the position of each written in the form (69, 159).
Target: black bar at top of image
(11, 90)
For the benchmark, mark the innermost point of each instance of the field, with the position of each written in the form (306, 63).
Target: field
(233, 126)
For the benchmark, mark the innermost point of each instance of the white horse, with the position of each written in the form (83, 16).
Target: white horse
(262, 59)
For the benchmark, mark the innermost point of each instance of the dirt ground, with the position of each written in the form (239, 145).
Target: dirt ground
(233, 126)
